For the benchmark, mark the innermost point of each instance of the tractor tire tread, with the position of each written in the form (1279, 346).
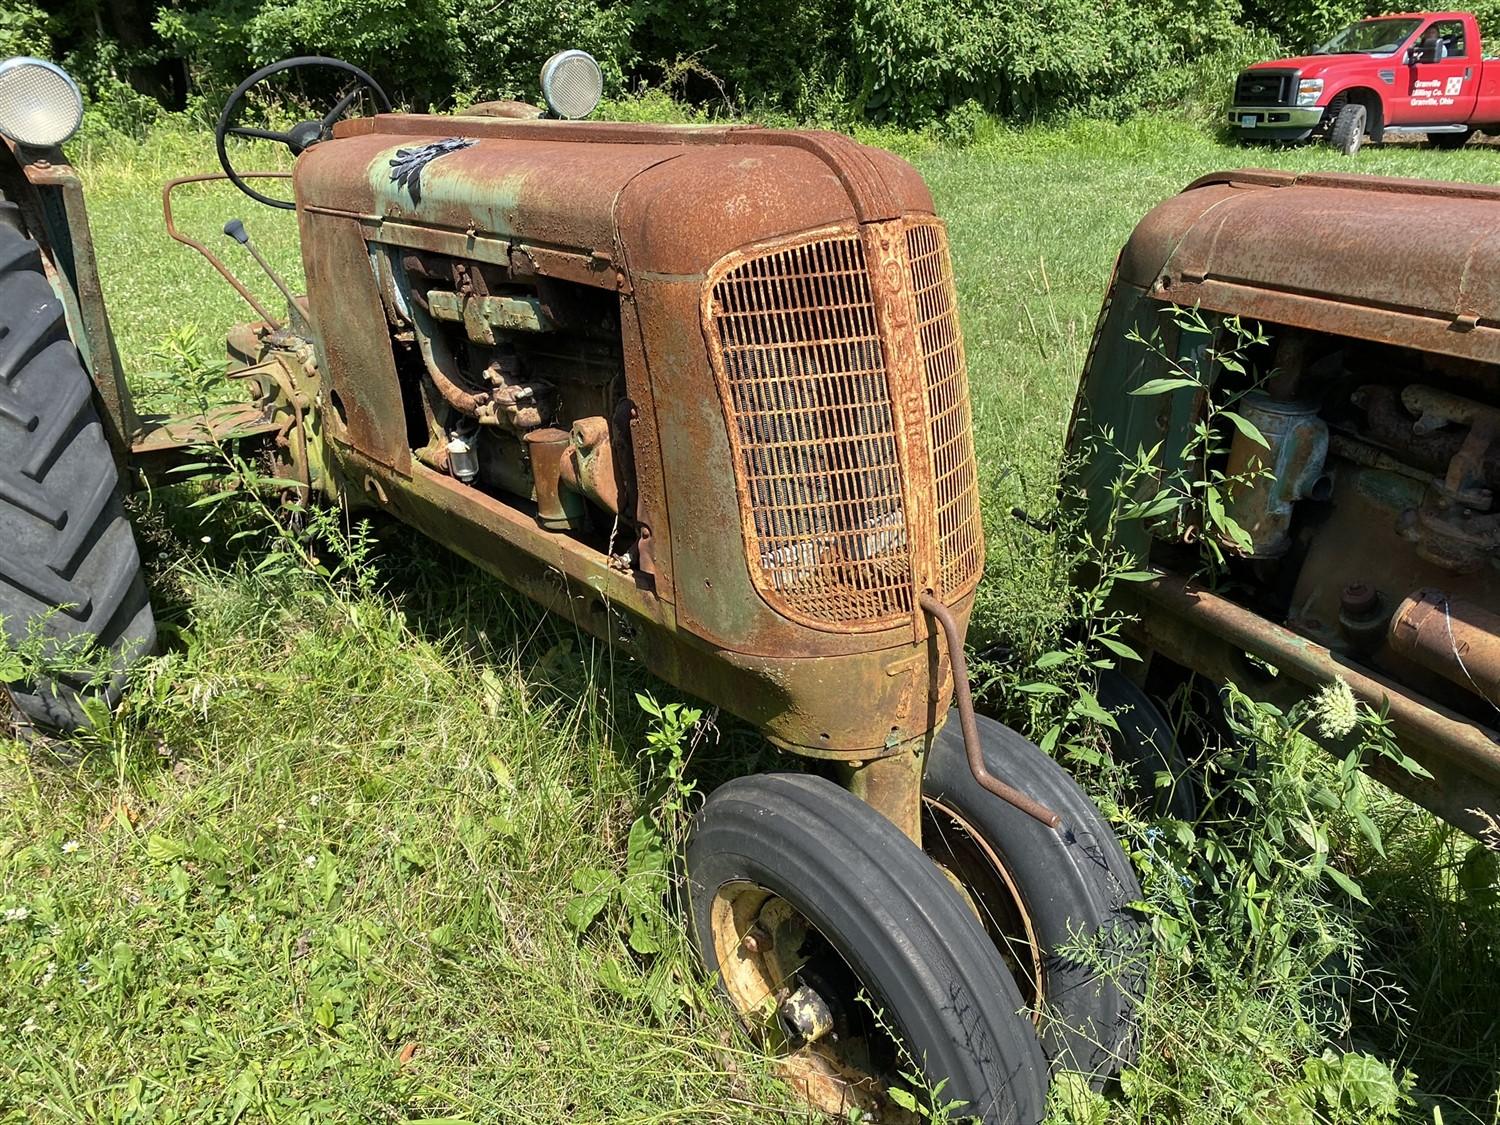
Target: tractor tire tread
(1078, 886)
(892, 916)
(69, 566)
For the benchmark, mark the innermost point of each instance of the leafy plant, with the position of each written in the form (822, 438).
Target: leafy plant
(1189, 497)
(640, 893)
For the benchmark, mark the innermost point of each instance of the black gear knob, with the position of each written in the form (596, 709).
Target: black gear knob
(236, 230)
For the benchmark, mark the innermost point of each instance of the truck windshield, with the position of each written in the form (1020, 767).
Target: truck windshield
(1369, 37)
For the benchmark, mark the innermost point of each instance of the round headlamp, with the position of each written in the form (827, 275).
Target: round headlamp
(572, 84)
(40, 106)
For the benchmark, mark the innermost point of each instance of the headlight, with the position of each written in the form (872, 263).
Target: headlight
(572, 84)
(40, 106)
(1309, 90)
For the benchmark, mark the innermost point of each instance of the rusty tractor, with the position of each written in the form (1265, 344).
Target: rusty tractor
(1361, 490)
(700, 391)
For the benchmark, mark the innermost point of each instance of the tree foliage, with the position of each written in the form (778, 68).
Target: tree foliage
(910, 62)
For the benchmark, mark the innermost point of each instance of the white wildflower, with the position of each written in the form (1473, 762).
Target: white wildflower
(309, 861)
(16, 914)
(315, 800)
(1335, 710)
(69, 847)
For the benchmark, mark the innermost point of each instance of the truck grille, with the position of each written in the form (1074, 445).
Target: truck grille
(798, 353)
(1264, 87)
(956, 480)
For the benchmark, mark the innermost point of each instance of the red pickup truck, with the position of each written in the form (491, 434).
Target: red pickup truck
(1417, 72)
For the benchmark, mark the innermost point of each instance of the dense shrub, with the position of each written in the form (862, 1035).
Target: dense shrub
(499, 47)
(906, 62)
(770, 53)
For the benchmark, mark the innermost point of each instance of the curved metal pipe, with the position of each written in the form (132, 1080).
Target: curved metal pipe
(437, 357)
(213, 259)
(965, 704)
(442, 369)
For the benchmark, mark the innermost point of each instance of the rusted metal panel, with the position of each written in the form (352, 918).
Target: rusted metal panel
(56, 215)
(682, 216)
(1314, 251)
(652, 517)
(882, 187)
(558, 195)
(354, 348)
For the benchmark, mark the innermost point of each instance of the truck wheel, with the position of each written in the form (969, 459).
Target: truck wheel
(1449, 140)
(1348, 131)
(843, 948)
(1147, 746)
(1039, 890)
(70, 574)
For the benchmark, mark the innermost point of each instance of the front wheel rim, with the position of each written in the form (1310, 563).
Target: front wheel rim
(972, 865)
(775, 966)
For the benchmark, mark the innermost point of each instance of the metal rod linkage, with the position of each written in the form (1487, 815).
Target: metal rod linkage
(965, 704)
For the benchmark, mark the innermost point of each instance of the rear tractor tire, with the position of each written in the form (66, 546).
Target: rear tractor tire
(71, 590)
(1057, 903)
(1348, 131)
(845, 950)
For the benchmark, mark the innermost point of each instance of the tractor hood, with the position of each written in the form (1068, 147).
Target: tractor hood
(660, 199)
(1406, 262)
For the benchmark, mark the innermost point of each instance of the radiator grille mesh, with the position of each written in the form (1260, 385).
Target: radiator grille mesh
(811, 411)
(960, 532)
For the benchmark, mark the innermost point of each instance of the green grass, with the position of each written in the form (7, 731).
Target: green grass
(317, 868)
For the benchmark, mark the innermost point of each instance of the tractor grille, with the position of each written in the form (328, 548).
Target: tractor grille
(960, 533)
(1264, 87)
(809, 401)
(810, 410)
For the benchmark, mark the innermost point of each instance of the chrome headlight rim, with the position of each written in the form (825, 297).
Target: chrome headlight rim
(52, 140)
(552, 70)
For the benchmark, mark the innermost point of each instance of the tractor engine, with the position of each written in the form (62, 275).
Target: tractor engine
(1360, 469)
(515, 386)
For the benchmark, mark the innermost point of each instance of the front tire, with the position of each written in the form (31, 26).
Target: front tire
(1040, 890)
(802, 894)
(1348, 131)
(71, 590)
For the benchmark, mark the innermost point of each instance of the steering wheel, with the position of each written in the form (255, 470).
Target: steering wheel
(302, 135)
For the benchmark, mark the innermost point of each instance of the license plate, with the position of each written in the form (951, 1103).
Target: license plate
(1247, 121)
